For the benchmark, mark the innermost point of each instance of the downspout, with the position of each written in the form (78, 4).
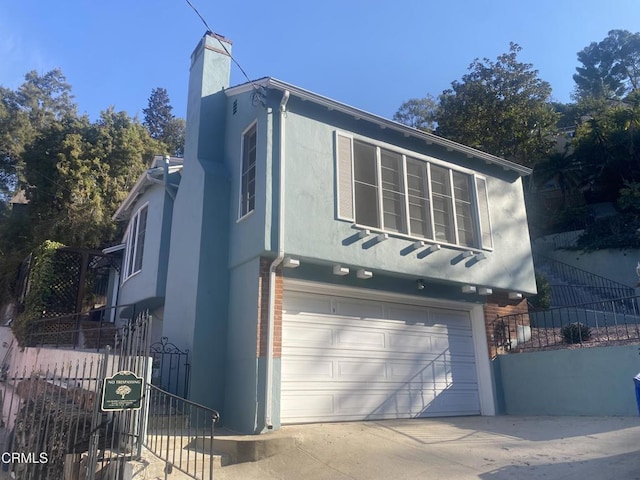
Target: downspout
(268, 421)
(166, 177)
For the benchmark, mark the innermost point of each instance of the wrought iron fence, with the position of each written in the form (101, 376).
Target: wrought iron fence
(607, 322)
(171, 367)
(180, 432)
(52, 421)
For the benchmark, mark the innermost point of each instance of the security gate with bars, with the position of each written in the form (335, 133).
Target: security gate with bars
(52, 423)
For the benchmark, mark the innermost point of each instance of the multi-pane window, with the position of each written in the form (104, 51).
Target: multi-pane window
(135, 242)
(398, 193)
(248, 174)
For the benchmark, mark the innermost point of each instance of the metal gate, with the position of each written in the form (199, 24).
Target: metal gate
(170, 368)
(52, 423)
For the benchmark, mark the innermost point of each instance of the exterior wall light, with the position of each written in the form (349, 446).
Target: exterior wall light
(515, 296)
(468, 289)
(340, 270)
(485, 291)
(364, 274)
(289, 262)
(420, 284)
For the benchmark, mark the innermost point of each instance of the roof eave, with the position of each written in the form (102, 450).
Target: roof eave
(429, 138)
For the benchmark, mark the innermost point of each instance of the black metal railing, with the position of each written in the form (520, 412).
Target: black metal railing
(171, 367)
(51, 410)
(569, 295)
(599, 287)
(607, 322)
(180, 432)
(91, 330)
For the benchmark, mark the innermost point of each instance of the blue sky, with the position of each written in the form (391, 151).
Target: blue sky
(370, 54)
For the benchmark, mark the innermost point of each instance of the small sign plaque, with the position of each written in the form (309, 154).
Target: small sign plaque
(122, 391)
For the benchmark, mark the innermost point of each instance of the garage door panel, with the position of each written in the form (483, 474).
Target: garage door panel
(358, 308)
(359, 338)
(375, 360)
(344, 405)
(308, 335)
(298, 302)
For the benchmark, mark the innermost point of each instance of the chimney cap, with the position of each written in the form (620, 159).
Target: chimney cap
(218, 36)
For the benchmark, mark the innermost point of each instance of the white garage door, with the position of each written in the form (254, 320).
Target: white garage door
(350, 359)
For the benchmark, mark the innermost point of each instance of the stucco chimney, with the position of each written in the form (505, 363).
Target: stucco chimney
(208, 77)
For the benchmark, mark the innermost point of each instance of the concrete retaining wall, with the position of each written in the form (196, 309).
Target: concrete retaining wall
(589, 381)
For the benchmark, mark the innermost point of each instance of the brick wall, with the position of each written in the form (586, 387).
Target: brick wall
(263, 311)
(499, 305)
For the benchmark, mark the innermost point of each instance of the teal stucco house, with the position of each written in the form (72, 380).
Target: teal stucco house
(322, 263)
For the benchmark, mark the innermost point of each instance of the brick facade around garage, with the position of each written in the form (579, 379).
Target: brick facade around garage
(263, 311)
(498, 305)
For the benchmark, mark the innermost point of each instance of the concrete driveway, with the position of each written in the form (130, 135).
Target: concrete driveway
(488, 448)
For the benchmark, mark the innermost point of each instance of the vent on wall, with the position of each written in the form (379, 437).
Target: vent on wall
(235, 106)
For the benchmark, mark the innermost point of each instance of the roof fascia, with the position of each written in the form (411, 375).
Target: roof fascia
(428, 138)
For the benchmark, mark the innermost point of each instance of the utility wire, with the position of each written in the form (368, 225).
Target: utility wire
(209, 29)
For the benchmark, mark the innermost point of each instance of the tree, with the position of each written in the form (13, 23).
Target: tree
(173, 136)
(158, 112)
(75, 173)
(607, 147)
(500, 107)
(610, 69)
(161, 124)
(418, 113)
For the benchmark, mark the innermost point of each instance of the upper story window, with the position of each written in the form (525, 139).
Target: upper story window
(391, 191)
(135, 242)
(248, 172)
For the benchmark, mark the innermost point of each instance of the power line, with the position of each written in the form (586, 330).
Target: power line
(210, 30)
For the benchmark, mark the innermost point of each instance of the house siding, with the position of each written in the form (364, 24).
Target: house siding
(147, 283)
(314, 233)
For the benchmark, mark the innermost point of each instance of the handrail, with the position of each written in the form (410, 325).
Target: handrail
(180, 432)
(581, 277)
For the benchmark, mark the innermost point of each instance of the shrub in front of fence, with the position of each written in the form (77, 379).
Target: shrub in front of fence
(575, 332)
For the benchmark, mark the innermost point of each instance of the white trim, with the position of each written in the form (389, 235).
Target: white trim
(114, 248)
(429, 162)
(379, 189)
(405, 185)
(476, 314)
(241, 215)
(483, 364)
(478, 213)
(132, 243)
(405, 151)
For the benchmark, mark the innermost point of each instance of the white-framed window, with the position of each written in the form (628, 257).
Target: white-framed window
(392, 190)
(248, 171)
(135, 243)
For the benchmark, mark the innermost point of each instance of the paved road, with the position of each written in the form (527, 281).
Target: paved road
(486, 448)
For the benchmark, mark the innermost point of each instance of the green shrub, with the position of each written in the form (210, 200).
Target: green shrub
(41, 276)
(576, 333)
(629, 198)
(620, 231)
(542, 300)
